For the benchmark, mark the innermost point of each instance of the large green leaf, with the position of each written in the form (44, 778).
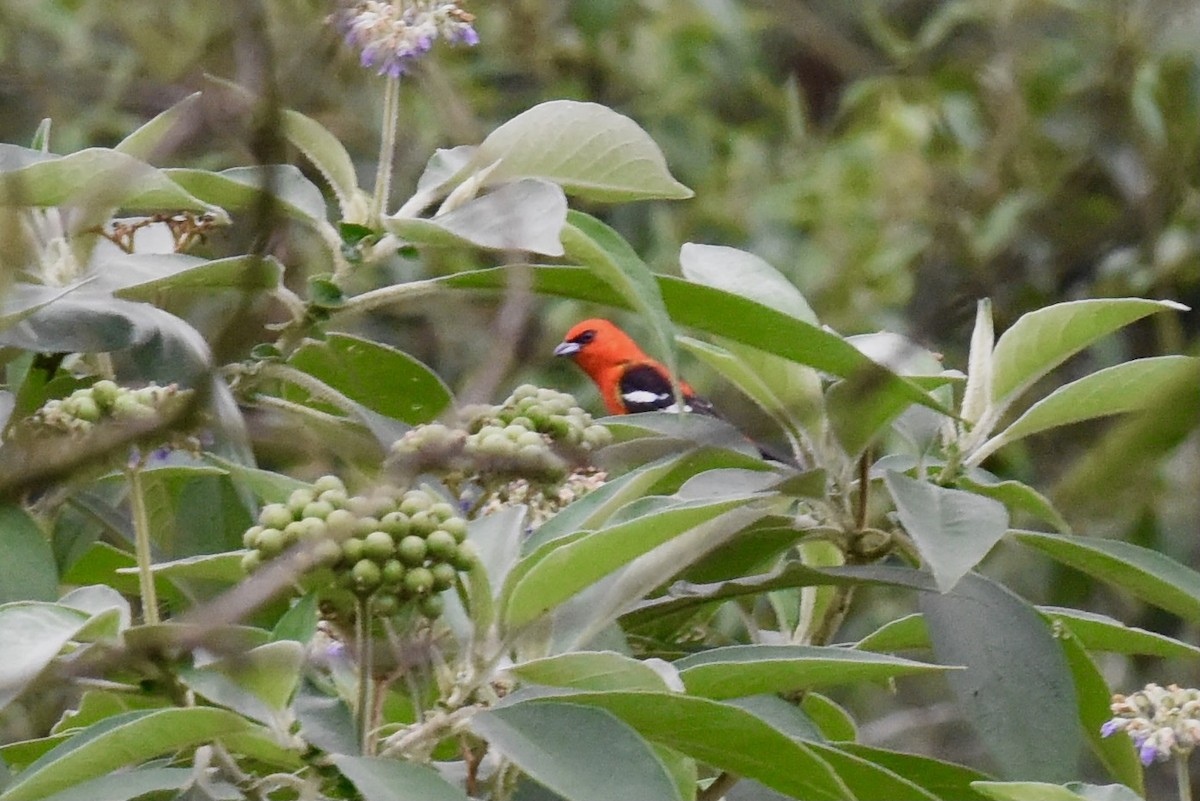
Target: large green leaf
(145, 142)
(713, 311)
(952, 529)
(556, 745)
(21, 300)
(588, 149)
(380, 779)
(870, 781)
(326, 153)
(381, 378)
(126, 785)
(526, 215)
(120, 741)
(149, 277)
(28, 571)
(1114, 390)
(1117, 754)
(1012, 663)
(1041, 340)
(33, 633)
(943, 779)
(740, 670)
(745, 274)
(554, 575)
(596, 670)
(601, 249)
(107, 178)
(258, 683)
(252, 188)
(723, 735)
(1042, 791)
(1150, 575)
(1017, 497)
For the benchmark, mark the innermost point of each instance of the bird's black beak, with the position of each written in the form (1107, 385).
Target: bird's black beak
(567, 349)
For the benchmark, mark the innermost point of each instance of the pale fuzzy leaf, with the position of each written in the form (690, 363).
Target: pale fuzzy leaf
(146, 140)
(744, 274)
(1041, 340)
(952, 529)
(525, 215)
(586, 148)
(978, 394)
(326, 152)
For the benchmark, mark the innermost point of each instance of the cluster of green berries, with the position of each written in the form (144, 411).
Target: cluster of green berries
(537, 433)
(401, 549)
(106, 401)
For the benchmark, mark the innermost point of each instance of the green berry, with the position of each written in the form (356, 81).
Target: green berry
(441, 544)
(530, 439)
(378, 545)
(432, 606)
(275, 515)
(418, 581)
(340, 524)
(294, 532)
(250, 538)
(444, 576)
(411, 550)
(366, 575)
(105, 392)
(466, 557)
(334, 497)
(298, 500)
(393, 572)
(422, 524)
(366, 525)
(270, 542)
(415, 501)
(352, 550)
(395, 523)
(317, 509)
(457, 528)
(126, 407)
(87, 409)
(327, 552)
(251, 561)
(385, 605)
(442, 511)
(327, 484)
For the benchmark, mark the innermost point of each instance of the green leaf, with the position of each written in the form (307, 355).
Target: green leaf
(943, 779)
(1017, 497)
(127, 784)
(326, 153)
(21, 300)
(33, 633)
(145, 142)
(224, 568)
(246, 189)
(527, 215)
(834, 722)
(381, 378)
(954, 530)
(28, 571)
(869, 781)
(741, 273)
(1012, 663)
(588, 149)
(723, 735)
(713, 311)
(267, 485)
(596, 670)
(258, 683)
(108, 178)
(120, 741)
(615, 262)
(552, 577)
(1117, 754)
(740, 670)
(148, 277)
(1039, 791)
(555, 744)
(1102, 633)
(1154, 577)
(1118, 389)
(298, 623)
(977, 395)
(381, 779)
(1041, 340)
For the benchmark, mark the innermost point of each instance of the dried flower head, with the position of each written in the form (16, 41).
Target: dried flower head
(1162, 721)
(390, 36)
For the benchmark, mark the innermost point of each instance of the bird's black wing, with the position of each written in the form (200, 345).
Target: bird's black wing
(643, 388)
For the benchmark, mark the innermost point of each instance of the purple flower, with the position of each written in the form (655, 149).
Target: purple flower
(1148, 753)
(1112, 727)
(391, 35)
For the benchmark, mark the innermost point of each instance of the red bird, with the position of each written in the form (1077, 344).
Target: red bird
(629, 381)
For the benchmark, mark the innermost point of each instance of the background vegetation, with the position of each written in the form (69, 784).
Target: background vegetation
(896, 161)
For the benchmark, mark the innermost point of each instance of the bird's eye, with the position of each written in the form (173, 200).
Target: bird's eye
(585, 337)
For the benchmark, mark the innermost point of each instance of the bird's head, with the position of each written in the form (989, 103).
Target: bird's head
(596, 345)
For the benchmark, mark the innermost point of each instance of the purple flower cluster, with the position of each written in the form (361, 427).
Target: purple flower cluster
(390, 36)
(1163, 722)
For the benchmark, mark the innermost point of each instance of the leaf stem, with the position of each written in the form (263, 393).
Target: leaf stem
(386, 296)
(1182, 777)
(366, 680)
(141, 538)
(387, 148)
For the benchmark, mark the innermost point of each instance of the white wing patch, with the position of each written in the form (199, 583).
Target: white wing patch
(644, 397)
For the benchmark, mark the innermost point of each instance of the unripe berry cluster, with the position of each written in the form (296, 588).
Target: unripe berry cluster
(397, 548)
(105, 402)
(537, 433)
